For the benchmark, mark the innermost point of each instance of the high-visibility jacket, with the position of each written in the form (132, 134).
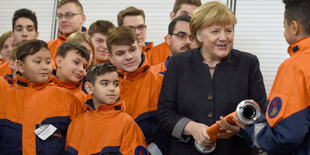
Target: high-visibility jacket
(108, 130)
(4, 85)
(33, 106)
(161, 67)
(147, 47)
(288, 121)
(158, 54)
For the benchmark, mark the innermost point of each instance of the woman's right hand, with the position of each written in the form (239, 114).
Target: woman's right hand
(198, 131)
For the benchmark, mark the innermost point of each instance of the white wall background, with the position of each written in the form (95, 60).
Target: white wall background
(259, 29)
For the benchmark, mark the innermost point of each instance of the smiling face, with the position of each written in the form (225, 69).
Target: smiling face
(106, 89)
(37, 67)
(100, 45)
(6, 48)
(72, 67)
(24, 30)
(72, 24)
(217, 40)
(126, 58)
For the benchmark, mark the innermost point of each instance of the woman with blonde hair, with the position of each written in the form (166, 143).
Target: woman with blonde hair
(208, 82)
(85, 40)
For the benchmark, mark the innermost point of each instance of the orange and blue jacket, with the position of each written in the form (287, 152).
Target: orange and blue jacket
(54, 44)
(147, 47)
(4, 85)
(140, 91)
(6, 72)
(74, 87)
(107, 130)
(1, 61)
(287, 123)
(29, 106)
(158, 54)
(160, 68)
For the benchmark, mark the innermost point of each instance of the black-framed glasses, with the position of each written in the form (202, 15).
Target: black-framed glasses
(68, 15)
(183, 36)
(140, 28)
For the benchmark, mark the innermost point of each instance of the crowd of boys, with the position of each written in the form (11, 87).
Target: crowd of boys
(94, 91)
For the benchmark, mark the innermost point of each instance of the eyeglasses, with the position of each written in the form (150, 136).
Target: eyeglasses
(183, 36)
(140, 28)
(68, 15)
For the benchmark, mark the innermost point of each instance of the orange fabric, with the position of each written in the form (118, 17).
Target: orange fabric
(140, 90)
(291, 88)
(53, 47)
(158, 54)
(92, 132)
(4, 85)
(98, 61)
(5, 69)
(74, 87)
(33, 103)
(1, 61)
(147, 47)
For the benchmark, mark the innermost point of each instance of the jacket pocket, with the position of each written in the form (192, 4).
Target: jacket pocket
(10, 137)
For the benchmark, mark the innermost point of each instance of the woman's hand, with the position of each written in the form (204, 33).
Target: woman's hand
(198, 131)
(227, 130)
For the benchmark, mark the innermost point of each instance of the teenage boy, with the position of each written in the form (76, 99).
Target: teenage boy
(135, 19)
(70, 17)
(105, 128)
(71, 65)
(98, 33)
(25, 27)
(179, 39)
(140, 87)
(286, 127)
(38, 114)
(159, 53)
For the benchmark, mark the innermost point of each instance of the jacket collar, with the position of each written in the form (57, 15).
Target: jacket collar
(72, 86)
(299, 47)
(22, 82)
(140, 72)
(115, 108)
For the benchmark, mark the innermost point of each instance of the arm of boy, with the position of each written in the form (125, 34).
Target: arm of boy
(133, 141)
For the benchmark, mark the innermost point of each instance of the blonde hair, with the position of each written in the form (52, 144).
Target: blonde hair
(79, 37)
(4, 37)
(211, 13)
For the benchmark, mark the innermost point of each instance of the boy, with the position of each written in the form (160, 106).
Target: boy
(98, 33)
(105, 128)
(135, 19)
(160, 52)
(70, 17)
(25, 27)
(286, 127)
(37, 118)
(71, 64)
(140, 87)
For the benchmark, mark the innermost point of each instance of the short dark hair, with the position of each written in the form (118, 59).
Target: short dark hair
(76, 2)
(298, 10)
(100, 26)
(178, 3)
(30, 47)
(67, 46)
(121, 35)
(130, 11)
(25, 13)
(185, 18)
(99, 69)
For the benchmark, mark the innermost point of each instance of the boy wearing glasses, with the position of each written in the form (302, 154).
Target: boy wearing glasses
(70, 17)
(179, 39)
(135, 19)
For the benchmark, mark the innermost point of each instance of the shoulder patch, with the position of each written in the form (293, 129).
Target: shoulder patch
(274, 107)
